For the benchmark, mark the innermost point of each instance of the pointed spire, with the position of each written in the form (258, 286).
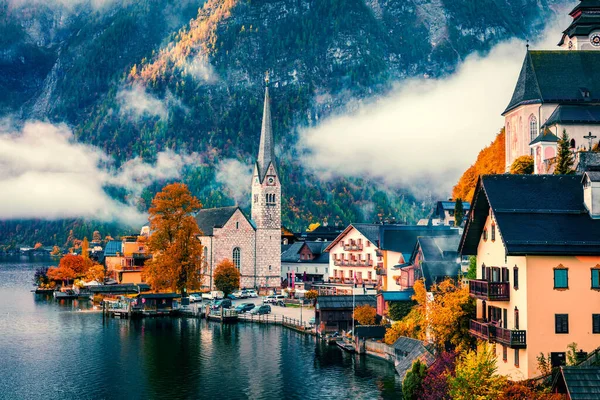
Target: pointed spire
(266, 150)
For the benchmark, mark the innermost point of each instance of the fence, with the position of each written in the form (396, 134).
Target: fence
(276, 320)
(380, 349)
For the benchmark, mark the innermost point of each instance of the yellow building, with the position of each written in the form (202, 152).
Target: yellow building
(537, 244)
(125, 259)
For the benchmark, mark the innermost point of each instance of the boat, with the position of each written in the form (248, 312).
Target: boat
(65, 295)
(346, 346)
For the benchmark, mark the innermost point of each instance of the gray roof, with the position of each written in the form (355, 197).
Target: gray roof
(575, 114)
(557, 77)
(437, 271)
(370, 231)
(545, 137)
(210, 218)
(344, 302)
(402, 238)
(581, 383)
(535, 215)
(266, 150)
(593, 176)
(292, 253)
(112, 248)
(586, 19)
(408, 350)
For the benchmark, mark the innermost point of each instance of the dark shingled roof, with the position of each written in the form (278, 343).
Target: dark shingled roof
(112, 248)
(209, 218)
(535, 215)
(575, 114)
(586, 19)
(292, 253)
(407, 350)
(437, 271)
(581, 383)
(344, 302)
(402, 238)
(546, 137)
(370, 231)
(557, 77)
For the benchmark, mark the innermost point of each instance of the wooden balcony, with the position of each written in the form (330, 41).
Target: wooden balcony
(353, 247)
(490, 291)
(381, 271)
(515, 339)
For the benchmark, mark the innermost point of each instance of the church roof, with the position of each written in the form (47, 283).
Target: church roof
(545, 137)
(575, 114)
(535, 215)
(210, 218)
(557, 77)
(266, 150)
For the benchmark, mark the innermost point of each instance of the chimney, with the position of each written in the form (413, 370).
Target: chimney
(591, 193)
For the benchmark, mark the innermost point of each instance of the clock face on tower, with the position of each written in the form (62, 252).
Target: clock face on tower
(270, 180)
(595, 39)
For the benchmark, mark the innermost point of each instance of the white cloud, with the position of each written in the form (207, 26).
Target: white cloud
(45, 174)
(67, 4)
(201, 70)
(135, 101)
(426, 132)
(237, 178)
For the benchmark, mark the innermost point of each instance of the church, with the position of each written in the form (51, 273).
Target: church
(558, 90)
(252, 244)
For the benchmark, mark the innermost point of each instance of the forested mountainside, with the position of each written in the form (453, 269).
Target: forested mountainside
(205, 62)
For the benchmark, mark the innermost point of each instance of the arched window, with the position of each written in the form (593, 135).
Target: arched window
(205, 259)
(237, 257)
(533, 127)
(572, 143)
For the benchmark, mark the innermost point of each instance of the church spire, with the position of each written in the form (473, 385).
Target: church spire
(266, 150)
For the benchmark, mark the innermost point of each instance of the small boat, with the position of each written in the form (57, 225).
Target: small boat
(346, 346)
(64, 295)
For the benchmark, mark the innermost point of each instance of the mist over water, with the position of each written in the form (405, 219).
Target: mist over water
(51, 350)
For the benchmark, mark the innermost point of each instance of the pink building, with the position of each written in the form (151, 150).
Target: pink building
(537, 242)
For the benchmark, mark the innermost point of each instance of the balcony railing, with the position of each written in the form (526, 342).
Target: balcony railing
(353, 247)
(381, 271)
(142, 256)
(490, 291)
(353, 263)
(515, 339)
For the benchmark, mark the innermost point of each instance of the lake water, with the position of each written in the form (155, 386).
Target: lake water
(52, 350)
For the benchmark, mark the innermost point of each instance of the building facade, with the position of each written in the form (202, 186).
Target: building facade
(556, 91)
(538, 274)
(306, 262)
(253, 245)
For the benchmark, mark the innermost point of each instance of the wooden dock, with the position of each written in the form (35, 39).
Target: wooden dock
(291, 323)
(223, 315)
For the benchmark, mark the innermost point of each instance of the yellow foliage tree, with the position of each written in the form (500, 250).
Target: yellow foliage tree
(476, 376)
(177, 252)
(55, 251)
(313, 226)
(85, 245)
(408, 326)
(227, 277)
(95, 273)
(522, 166)
(491, 160)
(365, 315)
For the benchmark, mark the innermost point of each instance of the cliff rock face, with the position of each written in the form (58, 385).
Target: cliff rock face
(205, 61)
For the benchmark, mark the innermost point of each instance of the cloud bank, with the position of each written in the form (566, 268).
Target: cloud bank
(236, 177)
(45, 174)
(136, 102)
(426, 132)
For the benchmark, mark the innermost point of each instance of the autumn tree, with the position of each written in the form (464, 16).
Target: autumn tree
(564, 159)
(227, 277)
(96, 237)
(522, 166)
(95, 273)
(409, 326)
(435, 383)
(61, 274)
(70, 267)
(311, 295)
(476, 376)
(177, 252)
(365, 314)
(85, 245)
(411, 386)
(41, 276)
(55, 251)
(459, 212)
(37, 246)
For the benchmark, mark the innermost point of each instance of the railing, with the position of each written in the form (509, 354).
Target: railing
(381, 271)
(141, 256)
(275, 319)
(511, 338)
(479, 329)
(491, 291)
(353, 247)
(129, 268)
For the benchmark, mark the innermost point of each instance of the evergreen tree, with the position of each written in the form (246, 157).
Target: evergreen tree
(411, 386)
(459, 212)
(564, 160)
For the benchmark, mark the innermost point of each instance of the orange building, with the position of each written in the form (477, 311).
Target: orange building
(537, 244)
(125, 259)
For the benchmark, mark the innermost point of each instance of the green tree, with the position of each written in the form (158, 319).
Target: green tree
(472, 273)
(459, 212)
(564, 159)
(476, 376)
(522, 166)
(227, 277)
(399, 309)
(413, 381)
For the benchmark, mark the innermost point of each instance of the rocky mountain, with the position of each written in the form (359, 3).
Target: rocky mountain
(205, 63)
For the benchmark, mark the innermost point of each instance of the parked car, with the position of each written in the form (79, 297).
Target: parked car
(195, 298)
(232, 296)
(244, 307)
(224, 303)
(213, 295)
(239, 294)
(264, 309)
(269, 299)
(252, 294)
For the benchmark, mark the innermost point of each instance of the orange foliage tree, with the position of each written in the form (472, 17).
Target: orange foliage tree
(365, 315)
(227, 277)
(38, 245)
(70, 267)
(491, 160)
(177, 252)
(95, 273)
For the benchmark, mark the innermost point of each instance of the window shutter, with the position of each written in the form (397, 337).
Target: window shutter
(595, 323)
(505, 276)
(516, 277)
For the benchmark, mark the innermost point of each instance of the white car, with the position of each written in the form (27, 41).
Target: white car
(269, 299)
(252, 294)
(213, 295)
(195, 298)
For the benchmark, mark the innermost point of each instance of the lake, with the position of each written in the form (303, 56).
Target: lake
(58, 350)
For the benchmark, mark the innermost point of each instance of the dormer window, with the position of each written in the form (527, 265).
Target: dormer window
(585, 93)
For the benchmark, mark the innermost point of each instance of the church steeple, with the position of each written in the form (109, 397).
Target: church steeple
(266, 150)
(584, 31)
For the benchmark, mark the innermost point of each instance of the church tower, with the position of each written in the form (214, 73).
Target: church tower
(266, 205)
(584, 31)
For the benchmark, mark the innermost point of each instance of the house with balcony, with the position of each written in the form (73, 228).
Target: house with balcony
(306, 262)
(537, 242)
(443, 213)
(124, 259)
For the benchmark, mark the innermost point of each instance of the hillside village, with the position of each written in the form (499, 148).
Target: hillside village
(521, 259)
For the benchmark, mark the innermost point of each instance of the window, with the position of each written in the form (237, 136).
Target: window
(595, 323)
(368, 243)
(237, 257)
(516, 318)
(237, 225)
(326, 270)
(369, 275)
(256, 198)
(269, 267)
(516, 277)
(483, 275)
(516, 357)
(572, 143)
(350, 274)
(485, 234)
(505, 275)
(533, 129)
(561, 277)
(504, 353)
(493, 232)
(596, 277)
(561, 323)
(334, 272)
